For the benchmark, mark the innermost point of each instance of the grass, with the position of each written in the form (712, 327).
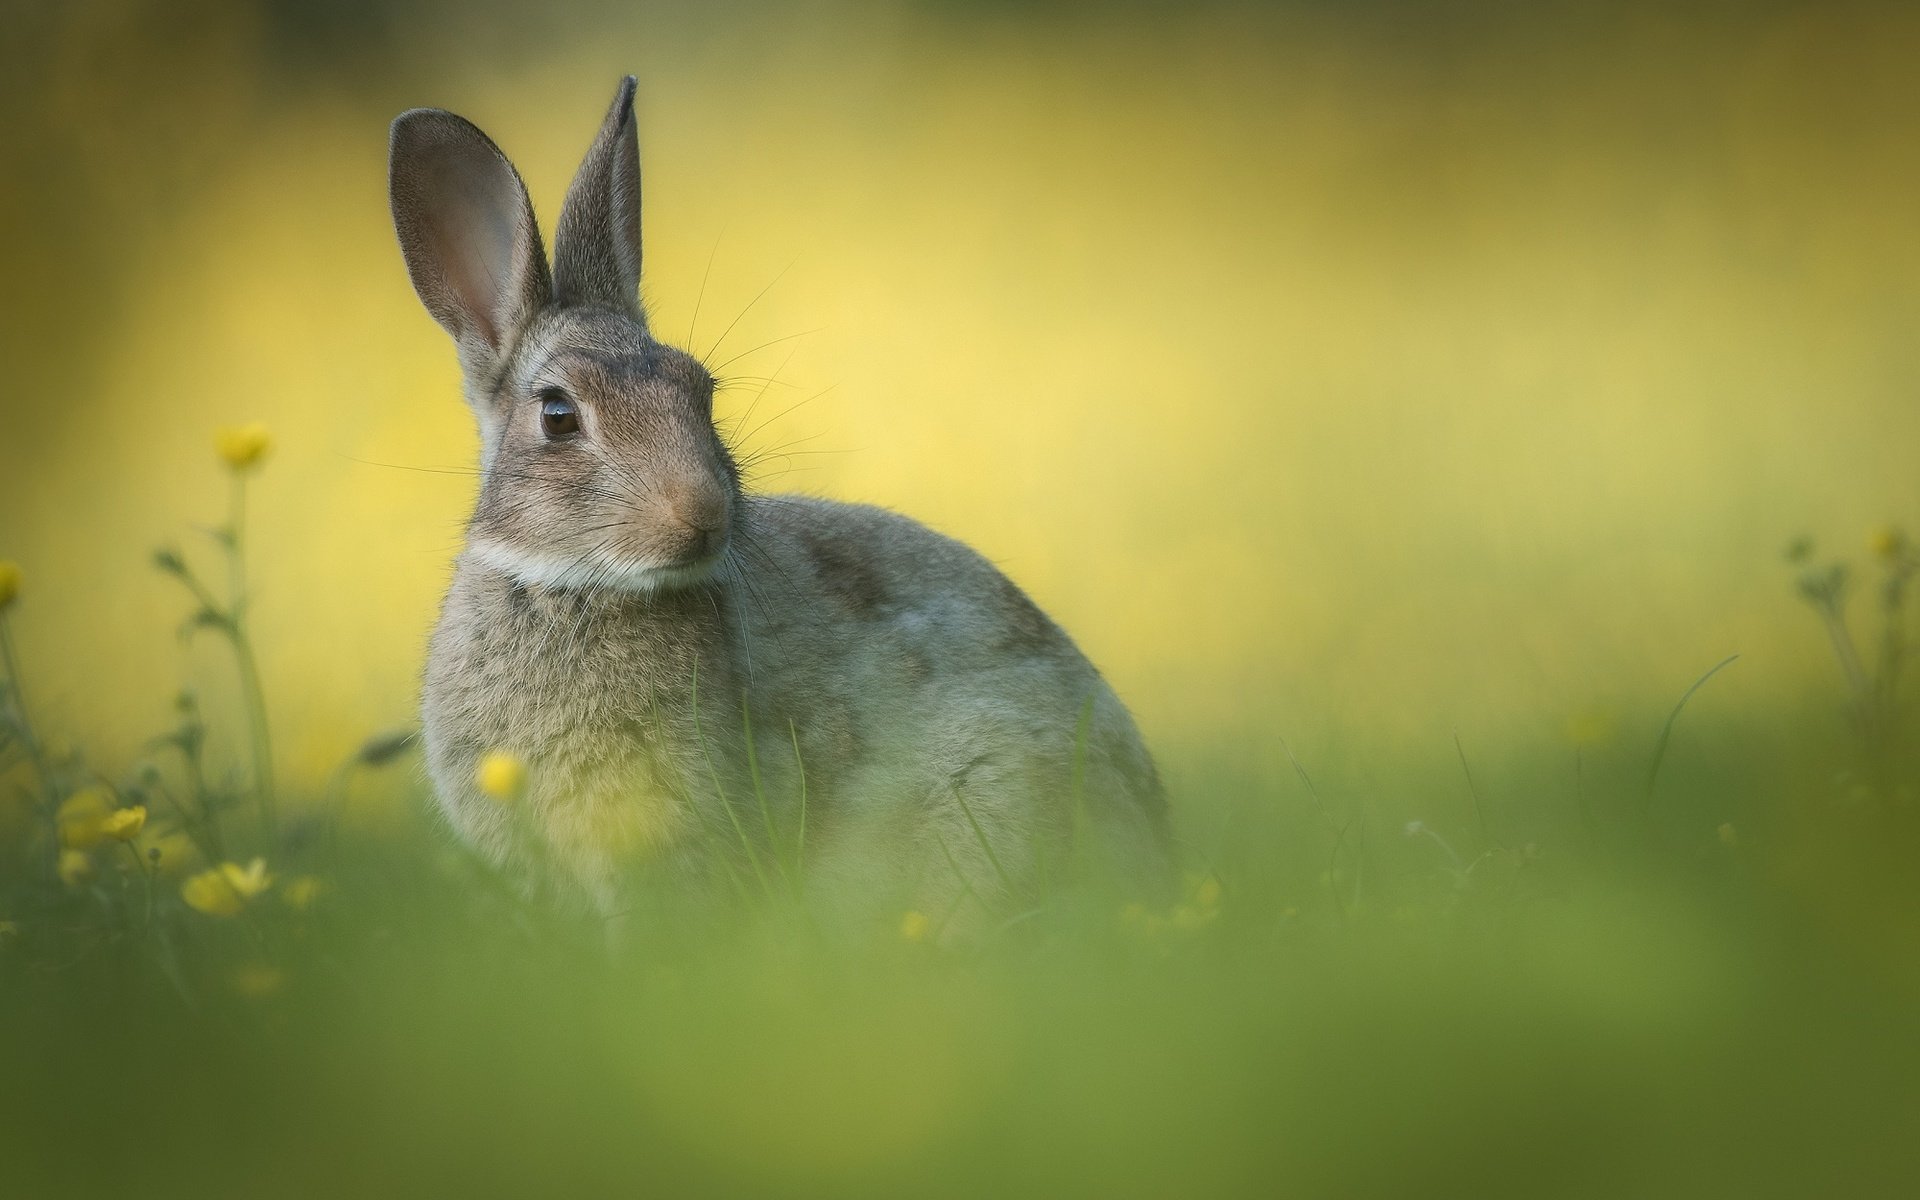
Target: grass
(1386, 975)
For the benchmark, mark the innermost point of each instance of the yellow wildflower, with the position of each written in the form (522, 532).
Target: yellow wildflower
(256, 981)
(243, 446)
(75, 866)
(176, 851)
(1887, 542)
(248, 881)
(9, 582)
(300, 893)
(210, 892)
(82, 818)
(914, 926)
(501, 775)
(124, 824)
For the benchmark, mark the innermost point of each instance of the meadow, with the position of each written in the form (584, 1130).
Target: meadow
(1573, 976)
(1476, 441)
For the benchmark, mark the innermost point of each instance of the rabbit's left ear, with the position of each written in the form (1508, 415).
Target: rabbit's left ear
(466, 230)
(596, 247)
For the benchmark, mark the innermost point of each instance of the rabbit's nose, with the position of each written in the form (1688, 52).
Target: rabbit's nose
(697, 506)
(701, 512)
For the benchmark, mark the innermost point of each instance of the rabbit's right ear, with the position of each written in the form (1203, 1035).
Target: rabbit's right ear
(467, 231)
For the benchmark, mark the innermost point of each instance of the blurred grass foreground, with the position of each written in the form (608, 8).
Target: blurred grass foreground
(1567, 982)
(1418, 411)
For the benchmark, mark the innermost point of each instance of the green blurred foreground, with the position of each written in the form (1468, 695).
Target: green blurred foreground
(1675, 1024)
(1552, 973)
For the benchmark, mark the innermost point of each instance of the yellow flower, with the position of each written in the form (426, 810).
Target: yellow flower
(176, 851)
(75, 866)
(9, 582)
(124, 824)
(300, 893)
(256, 981)
(1887, 542)
(501, 775)
(210, 892)
(248, 881)
(82, 818)
(914, 926)
(243, 446)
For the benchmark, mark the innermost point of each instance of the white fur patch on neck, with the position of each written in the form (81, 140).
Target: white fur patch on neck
(599, 571)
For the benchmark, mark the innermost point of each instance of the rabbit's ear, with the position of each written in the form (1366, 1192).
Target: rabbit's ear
(467, 231)
(596, 248)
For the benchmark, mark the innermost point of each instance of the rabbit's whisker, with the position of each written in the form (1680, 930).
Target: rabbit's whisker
(694, 322)
(743, 312)
(750, 542)
(495, 473)
(762, 346)
(789, 410)
(755, 402)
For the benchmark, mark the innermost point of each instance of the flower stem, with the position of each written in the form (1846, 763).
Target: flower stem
(34, 752)
(257, 719)
(1843, 648)
(253, 695)
(146, 875)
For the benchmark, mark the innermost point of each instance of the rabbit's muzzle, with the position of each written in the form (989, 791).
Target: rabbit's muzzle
(697, 523)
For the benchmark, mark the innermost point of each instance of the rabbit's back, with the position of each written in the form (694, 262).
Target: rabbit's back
(860, 608)
(968, 713)
(854, 596)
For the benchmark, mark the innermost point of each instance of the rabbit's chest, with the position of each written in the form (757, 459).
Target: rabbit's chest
(599, 710)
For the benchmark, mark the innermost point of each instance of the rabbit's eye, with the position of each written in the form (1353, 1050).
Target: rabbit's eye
(558, 416)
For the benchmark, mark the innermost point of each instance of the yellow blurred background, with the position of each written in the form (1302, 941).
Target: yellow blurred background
(1370, 367)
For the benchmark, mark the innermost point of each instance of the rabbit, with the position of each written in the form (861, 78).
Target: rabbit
(693, 674)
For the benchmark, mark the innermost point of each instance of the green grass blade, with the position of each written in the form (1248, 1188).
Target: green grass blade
(981, 834)
(719, 788)
(1666, 731)
(800, 850)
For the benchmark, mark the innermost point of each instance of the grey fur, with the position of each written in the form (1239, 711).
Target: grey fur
(596, 247)
(467, 232)
(680, 662)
